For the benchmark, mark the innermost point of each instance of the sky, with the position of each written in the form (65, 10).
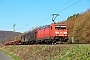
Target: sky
(28, 14)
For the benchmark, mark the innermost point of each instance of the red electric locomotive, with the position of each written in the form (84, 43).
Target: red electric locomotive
(52, 33)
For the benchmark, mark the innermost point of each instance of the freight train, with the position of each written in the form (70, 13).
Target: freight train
(49, 34)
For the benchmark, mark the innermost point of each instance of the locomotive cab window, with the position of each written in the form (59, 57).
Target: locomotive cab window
(63, 27)
(60, 27)
(51, 27)
(57, 27)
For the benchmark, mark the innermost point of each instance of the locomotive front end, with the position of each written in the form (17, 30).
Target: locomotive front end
(61, 32)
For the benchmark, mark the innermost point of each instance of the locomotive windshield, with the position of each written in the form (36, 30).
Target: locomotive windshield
(63, 27)
(60, 27)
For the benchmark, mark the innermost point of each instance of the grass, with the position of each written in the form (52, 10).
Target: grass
(50, 52)
(76, 52)
(11, 55)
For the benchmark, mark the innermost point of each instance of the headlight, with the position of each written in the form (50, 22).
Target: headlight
(65, 32)
(56, 32)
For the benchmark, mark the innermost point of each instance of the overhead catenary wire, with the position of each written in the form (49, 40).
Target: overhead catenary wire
(64, 5)
(22, 27)
(62, 9)
(45, 19)
(51, 15)
(57, 12)
(69, 6)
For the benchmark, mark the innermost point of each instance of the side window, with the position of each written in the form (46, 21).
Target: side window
(51, 27)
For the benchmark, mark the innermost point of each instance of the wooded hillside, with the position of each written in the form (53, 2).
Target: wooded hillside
(79, 27)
